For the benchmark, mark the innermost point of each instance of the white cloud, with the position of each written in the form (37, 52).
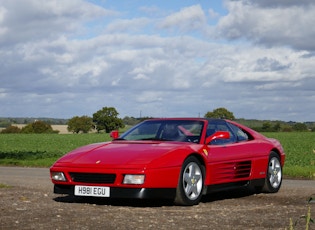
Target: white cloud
(284, 25)
(213, 14)
(81, 57)
(34, 20)
(187, 19)
(149, 97)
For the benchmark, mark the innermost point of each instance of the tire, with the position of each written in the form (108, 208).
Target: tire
(273, 175)
(191, 182)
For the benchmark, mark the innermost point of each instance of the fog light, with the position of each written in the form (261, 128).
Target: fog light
(133, 179)
(59, 176)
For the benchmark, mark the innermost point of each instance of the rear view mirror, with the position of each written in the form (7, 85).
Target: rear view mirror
(114, 134)
(218, 135)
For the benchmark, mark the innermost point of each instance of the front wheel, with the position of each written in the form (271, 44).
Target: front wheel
(191, 182)
(274, 174)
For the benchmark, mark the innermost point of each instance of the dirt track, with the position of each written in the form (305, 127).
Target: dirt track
(28, 203)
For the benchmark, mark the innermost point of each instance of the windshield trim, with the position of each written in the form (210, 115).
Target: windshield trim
(185, 135)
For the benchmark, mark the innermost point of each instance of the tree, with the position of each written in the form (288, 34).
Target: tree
(266, 127)
(107, 119)
(277, 127)
(220, 113)
(130, 120)
(11, 129)
(80, 124)
(38, 127)
(300, 127)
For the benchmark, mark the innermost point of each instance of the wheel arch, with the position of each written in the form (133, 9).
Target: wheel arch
(281, 157)
(199, 157)
(275, 151)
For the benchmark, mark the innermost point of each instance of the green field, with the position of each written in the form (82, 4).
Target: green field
(300, 153)
(41, 150)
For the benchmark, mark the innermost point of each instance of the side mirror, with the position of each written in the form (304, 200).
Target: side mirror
(218, 135)
(114, 134)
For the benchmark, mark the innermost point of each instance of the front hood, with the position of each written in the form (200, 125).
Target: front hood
(120, 153)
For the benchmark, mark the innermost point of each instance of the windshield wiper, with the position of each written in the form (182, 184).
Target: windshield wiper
(151, 139)
(143, 139)
(119, 139)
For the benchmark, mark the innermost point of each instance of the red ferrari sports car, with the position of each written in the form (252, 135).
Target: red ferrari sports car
(172, 158)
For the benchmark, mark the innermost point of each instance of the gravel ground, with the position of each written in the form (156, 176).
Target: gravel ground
(27, 202)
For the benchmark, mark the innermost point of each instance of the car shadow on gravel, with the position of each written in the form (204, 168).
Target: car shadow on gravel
(114, 202)
(228, 194)
(223, 195)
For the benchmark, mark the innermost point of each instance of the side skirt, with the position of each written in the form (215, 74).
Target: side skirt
(230, 186)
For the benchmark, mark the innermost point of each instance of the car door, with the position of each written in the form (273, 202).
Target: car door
(229, 160)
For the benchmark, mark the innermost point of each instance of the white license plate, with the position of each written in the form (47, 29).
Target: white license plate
(97, 191)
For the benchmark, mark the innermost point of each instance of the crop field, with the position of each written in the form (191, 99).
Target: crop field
(42, 150)
(300, 152)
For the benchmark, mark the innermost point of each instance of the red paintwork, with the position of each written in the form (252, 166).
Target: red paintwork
(161, 162)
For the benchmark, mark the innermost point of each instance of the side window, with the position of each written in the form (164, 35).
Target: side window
(240, 134)
(222, 127)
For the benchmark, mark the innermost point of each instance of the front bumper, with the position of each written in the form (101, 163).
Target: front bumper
(136, 193)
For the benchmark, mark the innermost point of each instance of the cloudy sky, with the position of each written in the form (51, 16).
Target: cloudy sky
(178, 58)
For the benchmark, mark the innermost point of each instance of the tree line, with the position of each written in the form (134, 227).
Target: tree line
(106, 120)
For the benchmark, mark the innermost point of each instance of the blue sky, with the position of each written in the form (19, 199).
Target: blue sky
(178, 58)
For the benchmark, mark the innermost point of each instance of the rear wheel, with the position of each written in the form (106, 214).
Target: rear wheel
(274, 174)
(191, 182)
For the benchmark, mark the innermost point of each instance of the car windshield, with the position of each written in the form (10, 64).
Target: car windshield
(166, 130)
